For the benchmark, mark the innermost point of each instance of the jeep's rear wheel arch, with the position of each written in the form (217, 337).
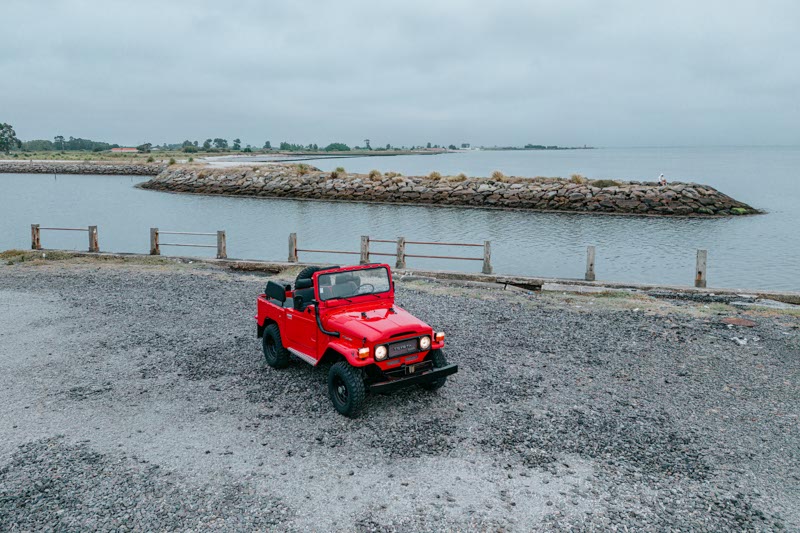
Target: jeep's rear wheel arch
(260, 329)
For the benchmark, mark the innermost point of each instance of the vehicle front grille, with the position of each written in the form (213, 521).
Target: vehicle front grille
(404, 347)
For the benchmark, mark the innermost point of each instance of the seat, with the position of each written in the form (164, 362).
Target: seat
(303, 293)
(275, 291)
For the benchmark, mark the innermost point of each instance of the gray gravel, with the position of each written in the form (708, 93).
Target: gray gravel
(134, 396)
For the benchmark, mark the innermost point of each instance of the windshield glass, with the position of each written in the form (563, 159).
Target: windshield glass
(355, 283)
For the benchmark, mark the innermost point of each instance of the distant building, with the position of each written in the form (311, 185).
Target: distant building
(465, 146)
(127, 150)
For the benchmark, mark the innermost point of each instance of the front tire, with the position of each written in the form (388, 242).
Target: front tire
(439, 361)
(276, 355)
(346, 389)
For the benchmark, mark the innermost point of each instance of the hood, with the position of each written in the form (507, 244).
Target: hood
(375, 322)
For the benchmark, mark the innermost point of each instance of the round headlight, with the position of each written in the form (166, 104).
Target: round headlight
(425, 343)
(380, 353)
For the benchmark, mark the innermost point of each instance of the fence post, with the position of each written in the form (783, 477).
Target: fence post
(93, 245)
(487, 257)
(293, 247)
(364, 249)
(401, 252)
(700, 278)
(155, 249)
(36, 243)
(222, 252)
(589, 263)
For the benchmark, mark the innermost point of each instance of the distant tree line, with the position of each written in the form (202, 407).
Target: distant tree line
(59, 143)
(9, 142)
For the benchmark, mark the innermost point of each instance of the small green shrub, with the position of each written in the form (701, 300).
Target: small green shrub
(172, 161)
(435, 175)
(191, 159)
(150, 159)
(577, 178)
(302, 169)
(340, 170)
(604, 183)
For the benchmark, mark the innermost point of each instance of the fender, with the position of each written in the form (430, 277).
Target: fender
(349, 353)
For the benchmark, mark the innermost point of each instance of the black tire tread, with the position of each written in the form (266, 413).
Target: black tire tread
(439, 361)
(307, 272)
(282, 354)
(355, 388)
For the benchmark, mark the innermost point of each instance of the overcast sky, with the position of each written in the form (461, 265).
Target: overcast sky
(610, 73)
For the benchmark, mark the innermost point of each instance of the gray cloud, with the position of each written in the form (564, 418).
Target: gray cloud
(601, 73)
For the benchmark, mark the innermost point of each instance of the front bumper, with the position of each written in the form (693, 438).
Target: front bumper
(415, 379)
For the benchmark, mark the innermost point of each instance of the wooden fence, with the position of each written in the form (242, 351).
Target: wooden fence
(156, 244)
(365, 252)
(36, 236)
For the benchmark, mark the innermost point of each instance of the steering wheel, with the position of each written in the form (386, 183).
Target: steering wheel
(362, 291)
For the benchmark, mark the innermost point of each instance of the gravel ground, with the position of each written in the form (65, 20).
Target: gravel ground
(133, 395)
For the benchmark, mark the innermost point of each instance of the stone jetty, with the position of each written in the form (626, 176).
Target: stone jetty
(81, 167)
(541, 194)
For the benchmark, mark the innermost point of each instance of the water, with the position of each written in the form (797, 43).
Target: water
(751, 252)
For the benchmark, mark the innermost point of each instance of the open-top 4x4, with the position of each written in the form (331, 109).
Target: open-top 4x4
(347, 315)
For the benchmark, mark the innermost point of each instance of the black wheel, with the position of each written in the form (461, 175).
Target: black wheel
(439, 361)
(346, 389)
(307, 272)
(276, 355)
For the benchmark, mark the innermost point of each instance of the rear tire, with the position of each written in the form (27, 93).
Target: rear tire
(346, 389)
(439, 361)
(276, 355)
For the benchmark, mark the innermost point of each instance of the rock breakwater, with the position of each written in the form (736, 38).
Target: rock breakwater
(81, 167)
(543, 194)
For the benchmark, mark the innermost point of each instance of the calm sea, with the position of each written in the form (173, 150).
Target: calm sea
(748, 252)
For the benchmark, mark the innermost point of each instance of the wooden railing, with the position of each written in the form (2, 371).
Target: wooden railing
(401, 255)
(36, 236)
(156, 244)
(365, 252)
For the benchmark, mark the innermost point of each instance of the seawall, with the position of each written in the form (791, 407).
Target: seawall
(80, 167)
(540, 194)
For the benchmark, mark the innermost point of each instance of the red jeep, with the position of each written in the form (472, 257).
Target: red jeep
(347, 316)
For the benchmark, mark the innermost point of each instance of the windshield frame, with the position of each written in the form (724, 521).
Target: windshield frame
(355, 271)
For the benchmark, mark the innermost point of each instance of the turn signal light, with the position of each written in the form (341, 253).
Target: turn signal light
(439, 336)
(363, 353)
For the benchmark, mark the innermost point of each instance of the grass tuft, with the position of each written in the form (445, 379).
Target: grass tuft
(577, 178)
(435, 175)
